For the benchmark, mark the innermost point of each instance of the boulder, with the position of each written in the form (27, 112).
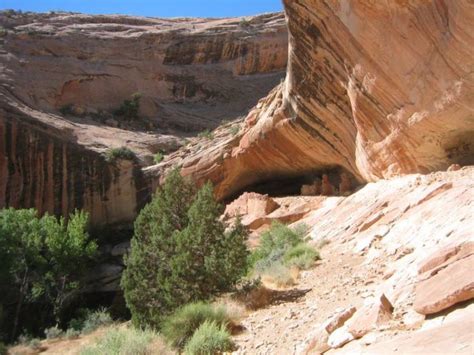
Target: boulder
(319, 340)
(253, 208)
(340, 337)
(370, 317)
(338, 319)
(451, 284)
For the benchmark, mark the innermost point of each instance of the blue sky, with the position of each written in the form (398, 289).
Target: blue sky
(155, 8)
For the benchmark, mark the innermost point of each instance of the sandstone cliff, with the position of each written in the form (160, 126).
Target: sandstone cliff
(373, 89)
(63, 75)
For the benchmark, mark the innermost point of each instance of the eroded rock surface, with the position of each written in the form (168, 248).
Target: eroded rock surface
(63, 76)
(373, 89)
(377, 246)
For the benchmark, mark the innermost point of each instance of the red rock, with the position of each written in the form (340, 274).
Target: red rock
(449, 253)
(452, 284)
(370, 317)
(454, 167)
(345, 186)
(338, 319)
(313, 123)
(326, 187)
(308, 190)
(319, 340)
(253, 208)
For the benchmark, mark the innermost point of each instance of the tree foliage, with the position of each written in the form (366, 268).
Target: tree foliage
(43, 259)
(180, 252)
(130, 107)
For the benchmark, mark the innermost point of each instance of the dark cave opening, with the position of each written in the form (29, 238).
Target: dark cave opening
(334, 181)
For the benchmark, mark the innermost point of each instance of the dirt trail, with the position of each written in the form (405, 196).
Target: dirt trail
(338, 280)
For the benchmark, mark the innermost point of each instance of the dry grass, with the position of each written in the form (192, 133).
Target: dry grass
(256, 298)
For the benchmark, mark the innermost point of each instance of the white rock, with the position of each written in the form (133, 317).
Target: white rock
(340, 337)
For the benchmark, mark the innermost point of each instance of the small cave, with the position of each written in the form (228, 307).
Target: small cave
(326, 182)
(460, 148)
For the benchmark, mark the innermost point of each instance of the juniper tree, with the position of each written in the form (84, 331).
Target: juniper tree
(180, 252)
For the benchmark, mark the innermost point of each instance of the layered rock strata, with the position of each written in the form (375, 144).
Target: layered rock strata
(63, 76)
(373, 89)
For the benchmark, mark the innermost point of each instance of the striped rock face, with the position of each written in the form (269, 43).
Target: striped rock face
(373, 89)
(63, 76)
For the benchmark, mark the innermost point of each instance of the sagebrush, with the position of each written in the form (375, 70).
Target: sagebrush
(180, 326)
(209, 338)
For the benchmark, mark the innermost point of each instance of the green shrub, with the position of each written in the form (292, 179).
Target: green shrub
(3, 349)
(35, 343)
(207, 134)
(53, 332)
(123, 342)
(275, 242)
(129, 108)
(210, 338)
(94, 320)
(66, 110)
(158, 157)
(302, 256)
(123, 153)
(234, 130)
(280, 249)
(180, 252)
(180, 326)
(72, 333)
(244, 23)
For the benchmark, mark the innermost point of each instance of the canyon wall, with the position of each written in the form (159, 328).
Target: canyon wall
(43, 167)
(63, 76)
(191, 73)
(374, 89)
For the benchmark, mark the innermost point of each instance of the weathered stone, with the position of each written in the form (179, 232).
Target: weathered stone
(370, 317)
(451, 284)
(338, 319)
(253, 208)
(454, 167)
(340, 337)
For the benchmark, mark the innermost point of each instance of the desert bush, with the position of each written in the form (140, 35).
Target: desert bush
(180, 326)
(234, 130)
(302, 256)
(274, 243)
(207, 134)
(129, 108)
(53, 332)
(72, 333)
(253, 294)
(158, 157)
(180, 252)
(279, 274)
(123, 153)
(95, 319)
(244, 23)
(126, 341)
(281, 249)
(35, 343)
(209, 338)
